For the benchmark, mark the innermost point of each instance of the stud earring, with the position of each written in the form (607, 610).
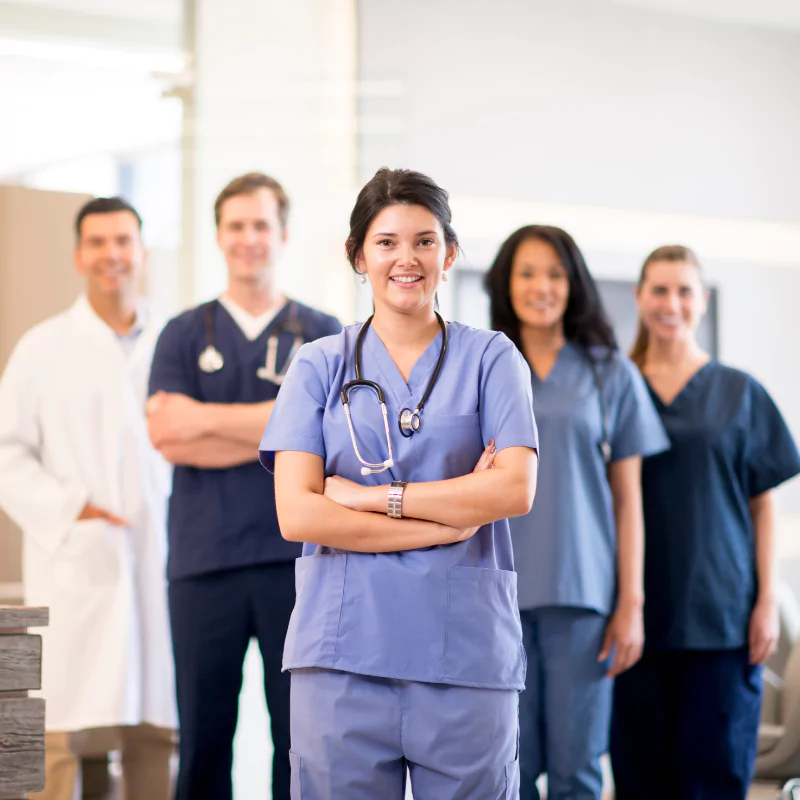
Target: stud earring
(363, 277)
(444, 276)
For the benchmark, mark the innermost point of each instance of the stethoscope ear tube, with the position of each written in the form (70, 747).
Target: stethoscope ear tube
(368, 468)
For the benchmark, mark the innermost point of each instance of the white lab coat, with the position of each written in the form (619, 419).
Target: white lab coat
(72, 431)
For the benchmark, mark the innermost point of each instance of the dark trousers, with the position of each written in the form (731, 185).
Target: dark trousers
(685, 726)
(213, 619)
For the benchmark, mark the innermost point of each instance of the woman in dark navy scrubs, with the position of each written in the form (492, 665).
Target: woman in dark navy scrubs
(685, 719)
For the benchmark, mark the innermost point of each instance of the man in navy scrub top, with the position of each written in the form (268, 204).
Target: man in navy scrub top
(216, 373)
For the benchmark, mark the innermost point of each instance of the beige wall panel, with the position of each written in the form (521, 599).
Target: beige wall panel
(37, 280)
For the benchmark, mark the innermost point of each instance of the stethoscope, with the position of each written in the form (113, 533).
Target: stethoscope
(211, 360)
(605, 444)
(408, 421)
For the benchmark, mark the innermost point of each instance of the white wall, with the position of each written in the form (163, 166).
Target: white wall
(586, 102)
(275, 93)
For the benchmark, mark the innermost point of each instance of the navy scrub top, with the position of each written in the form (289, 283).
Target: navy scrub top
(565, 549)
(225, 518)
(729, 444)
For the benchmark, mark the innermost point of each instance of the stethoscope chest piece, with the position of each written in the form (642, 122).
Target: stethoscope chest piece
(211, 360)
(409, 422)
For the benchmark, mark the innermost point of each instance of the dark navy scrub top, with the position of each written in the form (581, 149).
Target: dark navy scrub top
(729, 444)
(565, 549)
(225, 518)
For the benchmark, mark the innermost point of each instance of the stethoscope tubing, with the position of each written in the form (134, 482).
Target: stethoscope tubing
(408, 421)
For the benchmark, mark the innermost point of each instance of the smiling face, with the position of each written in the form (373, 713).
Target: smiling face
(404, 255)
(539, 287)
(109, 253)
(250, 235)
(671, 300)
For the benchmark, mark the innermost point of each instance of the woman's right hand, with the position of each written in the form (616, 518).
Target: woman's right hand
(486, 461)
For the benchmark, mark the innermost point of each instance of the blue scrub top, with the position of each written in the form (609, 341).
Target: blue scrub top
(225, 518)
(565, 549)
(441, 614)
(729, 444)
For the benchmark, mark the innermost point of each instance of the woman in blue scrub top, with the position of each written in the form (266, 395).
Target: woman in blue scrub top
(405, 645)
(579, 551)
(685, 719)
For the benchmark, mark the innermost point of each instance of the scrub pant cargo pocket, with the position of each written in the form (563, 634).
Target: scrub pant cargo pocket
(297, 775)
(357, 737)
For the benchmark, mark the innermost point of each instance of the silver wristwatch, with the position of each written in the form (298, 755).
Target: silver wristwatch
(395, 502)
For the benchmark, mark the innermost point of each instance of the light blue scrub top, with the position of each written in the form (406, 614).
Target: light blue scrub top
(566, 547)
(442, 614)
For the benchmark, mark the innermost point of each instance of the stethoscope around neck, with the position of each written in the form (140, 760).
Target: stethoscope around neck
(409, 422)
(605, 444)
(211, 360)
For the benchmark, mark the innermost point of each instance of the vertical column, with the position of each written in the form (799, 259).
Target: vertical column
(275, 92)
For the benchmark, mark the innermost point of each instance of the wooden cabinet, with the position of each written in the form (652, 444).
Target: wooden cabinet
(21, 717)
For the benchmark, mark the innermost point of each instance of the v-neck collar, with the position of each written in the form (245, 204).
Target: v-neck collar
(564, 354)
(685, 390)
(420, 372)
(268, 330)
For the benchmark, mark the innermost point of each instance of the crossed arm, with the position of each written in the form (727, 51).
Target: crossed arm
(207, 435)
(343, 514)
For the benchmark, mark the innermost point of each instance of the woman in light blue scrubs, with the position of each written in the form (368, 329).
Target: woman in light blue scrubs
(579, 551)
(685, 721)
(401, 446)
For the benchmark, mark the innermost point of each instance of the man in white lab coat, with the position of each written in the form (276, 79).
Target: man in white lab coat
(79, 476)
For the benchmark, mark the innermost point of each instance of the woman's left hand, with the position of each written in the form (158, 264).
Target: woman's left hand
(625, 634)
(764, 629)
(347, 493)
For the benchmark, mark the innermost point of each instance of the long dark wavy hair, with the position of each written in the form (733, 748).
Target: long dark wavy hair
(585, 320)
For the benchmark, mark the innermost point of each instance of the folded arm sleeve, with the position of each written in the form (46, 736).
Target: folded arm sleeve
(169, 372)
(636, 426)
(506, 398)
(296, 420)
(41, 504)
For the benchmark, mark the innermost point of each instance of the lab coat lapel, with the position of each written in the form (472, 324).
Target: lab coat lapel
(91, 327)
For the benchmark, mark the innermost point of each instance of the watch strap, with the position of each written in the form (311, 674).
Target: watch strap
(394, 507)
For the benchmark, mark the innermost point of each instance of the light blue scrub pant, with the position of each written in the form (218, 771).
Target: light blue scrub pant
(354, 737)
(565, 710)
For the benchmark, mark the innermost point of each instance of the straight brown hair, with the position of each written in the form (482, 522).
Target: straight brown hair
(676, 254)
(250, 183)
